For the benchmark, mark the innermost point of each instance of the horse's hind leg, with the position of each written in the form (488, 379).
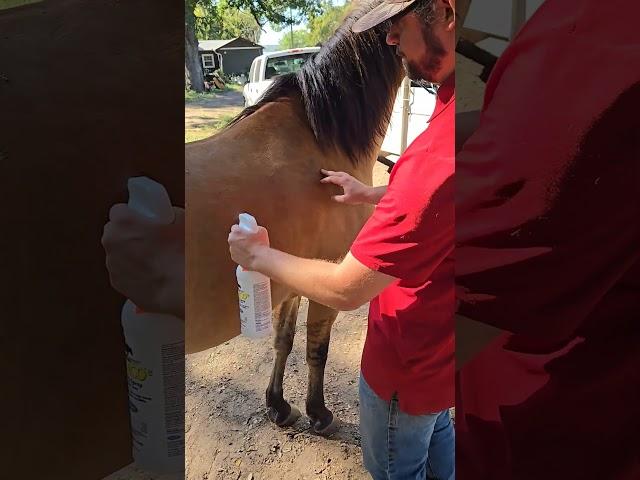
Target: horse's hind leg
(319, 323)
(279, 411)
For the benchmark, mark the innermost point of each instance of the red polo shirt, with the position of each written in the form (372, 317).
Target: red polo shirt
(409, 349)
(548, 249)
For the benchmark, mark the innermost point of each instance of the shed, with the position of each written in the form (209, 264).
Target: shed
(232, 57)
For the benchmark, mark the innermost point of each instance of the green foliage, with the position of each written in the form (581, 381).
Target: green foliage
(280, 13)
(190, 96)
(238, 23)
(220, 20)
(208, 22)
(301, 38)
(226, 19)
(319, 28)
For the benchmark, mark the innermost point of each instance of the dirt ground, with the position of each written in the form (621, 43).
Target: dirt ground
(228, 435)
(204, 116)
(469, 88)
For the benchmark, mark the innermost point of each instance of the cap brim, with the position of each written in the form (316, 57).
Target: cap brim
(379, 14)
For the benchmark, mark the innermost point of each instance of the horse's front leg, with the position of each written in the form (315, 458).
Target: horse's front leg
(319, 322)
(279, 411)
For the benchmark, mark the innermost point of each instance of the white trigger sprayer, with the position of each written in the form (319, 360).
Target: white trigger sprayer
(155, 359)
(254, 293)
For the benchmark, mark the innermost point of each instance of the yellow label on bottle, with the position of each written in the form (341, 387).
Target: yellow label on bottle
(137, 372)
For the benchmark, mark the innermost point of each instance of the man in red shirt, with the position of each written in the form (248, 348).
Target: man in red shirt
(548, 252)
(402, 261)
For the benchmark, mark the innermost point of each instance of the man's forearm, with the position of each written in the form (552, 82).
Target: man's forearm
(315, 279)
(376, 193)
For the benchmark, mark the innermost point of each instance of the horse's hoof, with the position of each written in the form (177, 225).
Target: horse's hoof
(294, 415)
(328, 429)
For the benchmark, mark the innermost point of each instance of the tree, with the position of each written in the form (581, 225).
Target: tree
(194, 78)
(237, 23)
(279, 13)
(322, 27)
(203, 19)
(218, 20)
(207, 20)
(319, 28)
(301, 38)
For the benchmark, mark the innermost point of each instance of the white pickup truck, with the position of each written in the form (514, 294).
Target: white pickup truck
(266, 67)
(411, 110)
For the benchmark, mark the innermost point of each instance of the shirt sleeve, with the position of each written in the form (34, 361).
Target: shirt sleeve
(546, 232)
(411, 230)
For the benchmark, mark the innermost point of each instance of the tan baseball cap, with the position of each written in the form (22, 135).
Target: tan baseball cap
(384, 11)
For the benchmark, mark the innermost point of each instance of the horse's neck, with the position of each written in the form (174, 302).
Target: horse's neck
(282, 126)
(334, 159)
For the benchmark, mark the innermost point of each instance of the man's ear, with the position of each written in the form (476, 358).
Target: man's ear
(449, 8)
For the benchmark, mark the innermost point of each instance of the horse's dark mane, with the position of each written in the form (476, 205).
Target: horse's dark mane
(347, 88)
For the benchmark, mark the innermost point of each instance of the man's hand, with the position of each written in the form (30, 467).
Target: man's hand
(145, 259)
(245, 247)
(355, 192)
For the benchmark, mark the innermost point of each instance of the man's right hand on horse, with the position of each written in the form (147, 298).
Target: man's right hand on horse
(355, 192)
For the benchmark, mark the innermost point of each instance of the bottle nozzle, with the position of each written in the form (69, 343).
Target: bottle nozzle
(149, 198)
(247, 223)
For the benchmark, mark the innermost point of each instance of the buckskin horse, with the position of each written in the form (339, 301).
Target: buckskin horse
(331, 114)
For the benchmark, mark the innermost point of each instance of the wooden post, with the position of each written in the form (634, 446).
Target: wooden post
(406, 106)
(518, 16)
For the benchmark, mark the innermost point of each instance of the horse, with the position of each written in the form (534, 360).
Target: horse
(332, 114)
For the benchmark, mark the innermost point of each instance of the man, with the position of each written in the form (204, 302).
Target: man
(402, 262)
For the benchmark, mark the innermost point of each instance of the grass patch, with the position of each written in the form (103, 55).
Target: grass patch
(235, 87)
(207, 129)
(193, 96)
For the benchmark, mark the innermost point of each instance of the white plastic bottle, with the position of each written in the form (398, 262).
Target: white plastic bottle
(155, 360)
(254, 293)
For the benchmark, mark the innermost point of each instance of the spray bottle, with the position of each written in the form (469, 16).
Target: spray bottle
(254, 293)
(155, 360)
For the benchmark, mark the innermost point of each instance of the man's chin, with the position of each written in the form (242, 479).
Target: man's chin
(414, 74)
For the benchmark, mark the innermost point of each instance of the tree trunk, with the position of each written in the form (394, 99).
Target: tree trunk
(194, 79)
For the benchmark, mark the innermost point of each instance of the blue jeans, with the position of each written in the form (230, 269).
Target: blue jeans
(398, 446)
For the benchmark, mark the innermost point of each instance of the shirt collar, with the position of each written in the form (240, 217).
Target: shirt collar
(446, 90)
(445, 96)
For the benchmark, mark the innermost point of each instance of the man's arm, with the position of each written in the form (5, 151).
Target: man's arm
(343, 286)
(376, 193)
